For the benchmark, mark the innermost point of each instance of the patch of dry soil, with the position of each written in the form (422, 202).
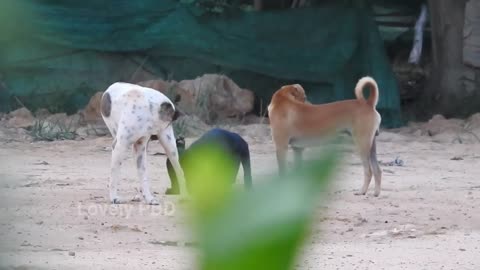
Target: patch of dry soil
(54, 212)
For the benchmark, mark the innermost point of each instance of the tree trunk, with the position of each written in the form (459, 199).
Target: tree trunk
(257, 4)
(445, 93)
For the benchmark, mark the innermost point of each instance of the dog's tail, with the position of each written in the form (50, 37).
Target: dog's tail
(372, 84)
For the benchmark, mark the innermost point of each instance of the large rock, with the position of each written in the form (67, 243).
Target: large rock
(211, 97)
(261, 131)
(439, 124)
(20, 118)
(217, 97)
(159, 85)
(92, 112)
(189, 126)
(442, 130)
(171, 89)
(64, 121)
(472, 126)
(473, 123)
(42, 113)
(91, 121)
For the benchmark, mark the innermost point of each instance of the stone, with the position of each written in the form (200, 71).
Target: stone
(20, 118)
(91, 114)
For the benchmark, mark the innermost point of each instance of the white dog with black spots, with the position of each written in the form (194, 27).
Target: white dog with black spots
(133, 114)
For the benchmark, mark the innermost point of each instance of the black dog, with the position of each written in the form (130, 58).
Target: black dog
(233, 144)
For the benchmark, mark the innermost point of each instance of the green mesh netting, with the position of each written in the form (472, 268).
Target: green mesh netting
(57, 53)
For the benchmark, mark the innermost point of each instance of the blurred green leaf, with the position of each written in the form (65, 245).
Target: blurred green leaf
(209, 170)
(264, 228)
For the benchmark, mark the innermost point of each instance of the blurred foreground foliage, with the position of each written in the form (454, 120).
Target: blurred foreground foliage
(260, 229)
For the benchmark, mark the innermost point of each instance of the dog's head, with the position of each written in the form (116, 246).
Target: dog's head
(295, 92)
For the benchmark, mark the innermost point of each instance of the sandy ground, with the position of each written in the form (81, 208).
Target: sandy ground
(54, 212)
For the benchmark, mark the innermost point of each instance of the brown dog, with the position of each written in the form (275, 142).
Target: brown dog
(292, 118)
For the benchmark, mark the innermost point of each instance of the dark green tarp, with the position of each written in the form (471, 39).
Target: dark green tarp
(55, 54)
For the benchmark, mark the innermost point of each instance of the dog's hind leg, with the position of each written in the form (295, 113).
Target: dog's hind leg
(367, 175)
(118, 156)
(297, 152)
(298, 155)
(364, 145)
(140, 154)
(377, 172)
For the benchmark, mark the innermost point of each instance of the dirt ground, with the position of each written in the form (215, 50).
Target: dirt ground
(54, 212)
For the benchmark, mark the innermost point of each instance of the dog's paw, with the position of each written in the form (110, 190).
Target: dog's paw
(183, 198)
(359, 193)
(136, 198)
(172, 191)
(153, 201)
(117, 200)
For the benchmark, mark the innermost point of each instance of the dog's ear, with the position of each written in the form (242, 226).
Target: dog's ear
(167, 112)
(297, 92)
(177, 99)
(177, 114)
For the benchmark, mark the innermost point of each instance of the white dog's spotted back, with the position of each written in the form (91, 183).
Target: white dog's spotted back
(136, 110)
(133, 114)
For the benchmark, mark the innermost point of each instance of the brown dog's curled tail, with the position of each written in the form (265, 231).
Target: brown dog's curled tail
(367, 81)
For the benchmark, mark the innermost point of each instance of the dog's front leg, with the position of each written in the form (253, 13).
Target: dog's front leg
(364, 146)
(140, 153)
(377, 172)
(167, 140)
(173, 179)
(247, 169)
(281, 146)
(367, 175)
